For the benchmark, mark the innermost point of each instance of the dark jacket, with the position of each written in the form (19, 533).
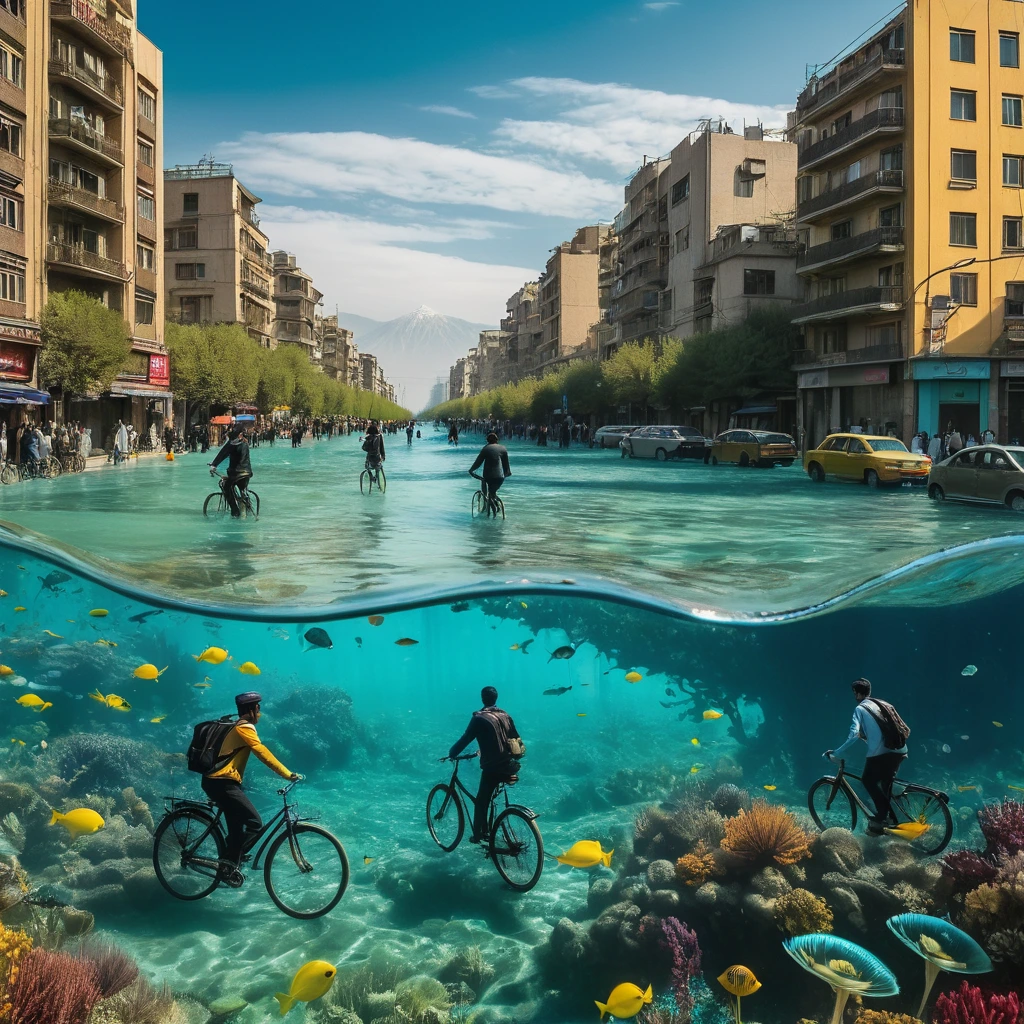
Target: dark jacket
(489, 727)
(237, 454)
(373, 445)
(494, 458)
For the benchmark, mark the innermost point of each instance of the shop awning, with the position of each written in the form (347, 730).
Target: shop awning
(755, 410)
(245, 419)
(221, 421)
(246, 408)
(140, 392)
(22, 394)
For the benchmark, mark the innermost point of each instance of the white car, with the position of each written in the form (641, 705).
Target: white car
(610, 435)
(666, 442)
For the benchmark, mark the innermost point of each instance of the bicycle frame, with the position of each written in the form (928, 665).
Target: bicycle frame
(456, 784)
(840, 782)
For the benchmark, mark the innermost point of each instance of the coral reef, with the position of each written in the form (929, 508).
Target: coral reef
(767, 832)
(14, 946)
(968, 870)
(112, 969)
(697, 867)
(729, 800)
(884, 1017)
(1002, 825)
(800, 912)
(314, 726)
(969, 1005)
(52, 988)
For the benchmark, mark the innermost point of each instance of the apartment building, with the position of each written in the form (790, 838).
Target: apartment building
(217, 268)
(458, 379)
(367, 372)
(732, 242)
(522, 329)
(295, 300)
(492, 360)
(338, 349)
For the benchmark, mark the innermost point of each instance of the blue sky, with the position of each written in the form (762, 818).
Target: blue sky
(414, 153)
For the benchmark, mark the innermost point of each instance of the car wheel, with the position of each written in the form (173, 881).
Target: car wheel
(661, 455)
(816, 473)
(871, 479)
(936, 493)
(744, 459)
(1016, 501)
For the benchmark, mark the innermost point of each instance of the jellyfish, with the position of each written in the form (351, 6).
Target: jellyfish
(943, 947)
(846, 967)
(738, 981)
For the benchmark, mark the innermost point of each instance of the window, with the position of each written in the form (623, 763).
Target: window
(190, 202)
(147, 105)
(147, 206)
(145, 257)
(886, 334)
(12, 67)
(963, 289)
(1013, 238)
(683, 239)
(856, 447)
(745, 188)
(963, 229)
(181, 238)
(145, 153)
(891, 98)
(681, 190)
(891, 159)
(145, 307)
(1009, 50)
(1011, 171)
(891, 216)
(10, 136)
(961, 46)
(16, 7)
(12, 285)
(189, 271)
(964, 165)
(10, 213)
(804, 188)
(963, 105)
(758, 282)
(1011, 111)
(1015, 298)
(844, 229)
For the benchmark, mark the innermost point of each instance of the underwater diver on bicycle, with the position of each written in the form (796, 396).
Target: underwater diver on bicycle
(494, 459)
(236, 451)
(373, 445)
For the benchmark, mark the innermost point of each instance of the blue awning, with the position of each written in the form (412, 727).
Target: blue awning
(22, 394)
(245, 419)
(755, 410)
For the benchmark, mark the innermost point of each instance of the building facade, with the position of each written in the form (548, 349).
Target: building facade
(295, 301)
(522, 329)
(339, 353)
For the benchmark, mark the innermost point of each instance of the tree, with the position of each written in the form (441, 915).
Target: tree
(85, 345)
(631, 373)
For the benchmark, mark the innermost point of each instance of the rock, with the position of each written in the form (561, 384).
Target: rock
(665, 901)
(838, 849)
(460, 993)
(16, 798)
(757, 908)
(226, 1006)
(600, 894)
(708, 895)
(512, 992)
(661, 874)
(770, 883)
(101, 898)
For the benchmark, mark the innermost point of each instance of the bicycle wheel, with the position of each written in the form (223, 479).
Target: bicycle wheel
(50, 468)
(915, 804)
(517, 849)
(831, 807)
(9, 473)
(445, 817)
(382, 481)
(254, 503)
(311, 874)
(478, 505)
(211, 509)
(364, 482)
(186, 864)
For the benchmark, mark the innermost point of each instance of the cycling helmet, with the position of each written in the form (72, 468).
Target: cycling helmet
(246, 700)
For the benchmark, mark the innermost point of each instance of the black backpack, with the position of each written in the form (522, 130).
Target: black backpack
(372, 445)
(204, 750)
(895, 732)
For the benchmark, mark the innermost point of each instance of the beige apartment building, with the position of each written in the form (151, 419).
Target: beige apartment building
(339, 353)
(296, 301)
(522, 329)
(458, 379)
(217, 266)
(81, 115)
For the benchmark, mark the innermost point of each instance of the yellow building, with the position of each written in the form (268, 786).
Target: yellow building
(910, 206)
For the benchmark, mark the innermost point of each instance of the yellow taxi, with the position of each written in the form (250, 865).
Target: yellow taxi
(753, 448)
(872, 460)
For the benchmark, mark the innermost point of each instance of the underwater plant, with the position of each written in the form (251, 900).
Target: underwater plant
(422, 999)
(847, 968)
(968, 869)
(884, 1017)
(729, 800)
(1002, 825)
(680, 942)
(969, 1005)
(112, 968)
(800, 912)
(697, 867)
(943, 946)
(738, 981)
(52, 988)
(14, 946)
(140, 1003)
(766, 832)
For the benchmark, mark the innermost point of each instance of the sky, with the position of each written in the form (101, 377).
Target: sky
(432, 154)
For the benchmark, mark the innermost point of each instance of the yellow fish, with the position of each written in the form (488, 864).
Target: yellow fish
(581, 714)
(523, 604)
(6, 670)
(19, 608)
(158, 719)
(213, 655)
(1020, 789)
(117, 703)
(771, 789)
(406, 642)
(696, 768)
(710, 716)
(105, 643)
(201, 686)
(375, 620)
(312, 980)
(56, 636)
(585, 854)
(633, 677)
(3, 593)
(909, 830)
(966, 789)
(248, 668)
(80, 822)
(998, 725)
(148, 671)
(739, 981)
(98, 696)
(695, 742)
(99, 613)
(72, 621)
(368, 860)
(625, 1001)
(20, 743)
(33, 700)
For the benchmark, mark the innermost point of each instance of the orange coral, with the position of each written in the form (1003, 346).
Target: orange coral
(13, 946)
(697, 867)
(766, 832)
(885, 1017)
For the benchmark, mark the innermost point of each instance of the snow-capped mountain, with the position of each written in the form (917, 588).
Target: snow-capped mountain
(414, 349)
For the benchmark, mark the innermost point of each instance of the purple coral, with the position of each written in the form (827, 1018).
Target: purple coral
(680, 942)
(1002, 825)
(969, 1005)
(968, 870)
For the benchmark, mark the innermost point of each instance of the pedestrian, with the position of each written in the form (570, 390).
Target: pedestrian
(955, 442)
(935, 448)
(987, 437)
(917, 445)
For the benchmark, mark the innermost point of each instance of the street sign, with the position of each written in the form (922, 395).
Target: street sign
(565, 403)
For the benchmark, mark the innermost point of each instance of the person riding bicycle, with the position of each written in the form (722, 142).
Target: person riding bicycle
(373, 445)
(236, 451)
(494, 458)
(879, 725)
(493, 730)
(224, 785)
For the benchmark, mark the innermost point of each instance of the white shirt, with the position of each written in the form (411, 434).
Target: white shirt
(866, 728)
(935, 449)
(915, 446)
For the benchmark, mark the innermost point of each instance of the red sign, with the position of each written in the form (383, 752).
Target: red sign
(877, 376)
(16, 361)
(159, 370)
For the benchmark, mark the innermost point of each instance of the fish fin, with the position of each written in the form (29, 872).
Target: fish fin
(606, 858)
(196, 656)
(286, 1002)
(649, 994)
(561, 860)
(163, 670)
(602, 1008)
(55, 816)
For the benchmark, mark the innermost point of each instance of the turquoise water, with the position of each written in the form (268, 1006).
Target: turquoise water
(672, 566)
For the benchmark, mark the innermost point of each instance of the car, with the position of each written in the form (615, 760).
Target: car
(867, 458)
(666, 442)
(987, 474)
(610, 435)
(753, 448)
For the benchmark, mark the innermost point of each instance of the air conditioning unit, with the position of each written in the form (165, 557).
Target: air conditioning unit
(754, 168)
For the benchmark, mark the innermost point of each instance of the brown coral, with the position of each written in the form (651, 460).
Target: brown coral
(52, 988)
(766, 832)
(697, 867)
(800, 912)
(884, 1017)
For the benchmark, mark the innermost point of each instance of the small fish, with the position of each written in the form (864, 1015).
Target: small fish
(965, 737)
(158, 719)
(966, 789)
(586, 853)
(523, 646)
(626, 1001)
(696, 768)
(201, 686)
(317, 637)
(3, 593)
(149, 671)
(584, 684)
(946, 748)
(695, 742)
(633, 677)
(523, 604)
(52, 580)
(43, 744)
(770, 788)
(213, 655)
(56, 636)
(909, 830)
(669, 692)
(45, 902)
(375, 620)
(249, 668)
(117, 703)
(312, 980)
(99, 613)
(22, 568)
(969, 670)
(581, 714)
(368, 860)
(563, 653)
(142, 616)
(20, 608)
(710, 716)
(460, 606)
(33, 700)
(105, 643)
(72, 621)
(20, 743)
(672, 704)
(82, 821)
(359, 641)
(406, 641)
(1019, 789)
(998, 725)
(98, 697)
(6, 670)
(557, 691)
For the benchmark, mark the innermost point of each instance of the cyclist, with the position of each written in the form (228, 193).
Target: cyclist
(236, 451)
(408, 431)
(494, 458)
(493, 730)
(373, 445)
(224, 785)
(881, 728)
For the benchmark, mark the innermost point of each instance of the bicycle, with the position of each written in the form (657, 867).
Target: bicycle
(73, 462)
(486, 505)
(248, 500)
(514, 842)
(372, 475)
(912, 803)
(305, 878)
(10, 473)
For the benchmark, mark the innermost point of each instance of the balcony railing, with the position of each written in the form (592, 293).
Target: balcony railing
(875, 298)
(888, 238)
(78, 256)
(63, 194)
(68, 128)
(889, 352)
(891, 181)
(825, 91)
(884, 119)
(103, 84)
(256, 289)
(117, 37)
(248, 215)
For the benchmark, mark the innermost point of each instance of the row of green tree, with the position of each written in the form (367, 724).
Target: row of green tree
(86, 345)
(736, 362)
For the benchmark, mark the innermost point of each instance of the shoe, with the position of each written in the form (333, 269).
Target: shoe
(875, 828)
(478, 839)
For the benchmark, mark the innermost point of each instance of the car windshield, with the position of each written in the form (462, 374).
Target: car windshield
(687, 431)
(887, 444)
(774, 438)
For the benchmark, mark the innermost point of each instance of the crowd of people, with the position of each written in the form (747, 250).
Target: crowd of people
(942, 446)
(30, 441)
(566, 433)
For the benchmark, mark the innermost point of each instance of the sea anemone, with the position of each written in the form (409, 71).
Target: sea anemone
(846, 967)
(943, 946)
(968, 1005)
(766, 832)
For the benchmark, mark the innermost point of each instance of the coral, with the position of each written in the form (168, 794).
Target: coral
(52, 988)
(100, 761)
(968, 870)
(838, 849)
(699, 824)
(422, 999)
(135, 810)
(1002, 825)
(13, 947)
(911, 897)
(729, 800)
(112, 969)
(315, 726)
(884, 1017)
(766, 832)
(467, 965)
(968, 1005)
(140, 1003)
(1007, 946)
(770, 883)
(680, 942)
(800, 912)
(696, 868)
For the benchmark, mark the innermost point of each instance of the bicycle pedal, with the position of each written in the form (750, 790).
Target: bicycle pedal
(234, 880)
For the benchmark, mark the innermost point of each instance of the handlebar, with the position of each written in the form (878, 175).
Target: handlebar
(291, 785)
(459, 757)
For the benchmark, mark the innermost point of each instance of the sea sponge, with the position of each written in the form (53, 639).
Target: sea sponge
(696, 868)
(800, 912)
(766, 832)
(912, 898)
(770, 883)
(838, 849)
(884, 1017)
(729, 800)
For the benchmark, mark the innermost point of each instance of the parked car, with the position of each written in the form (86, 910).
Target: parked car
(610, 435)
(872, 460)
(988, 474)
(753, 448)
(666, 442)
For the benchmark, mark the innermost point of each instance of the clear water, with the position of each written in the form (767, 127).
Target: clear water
(644, 542)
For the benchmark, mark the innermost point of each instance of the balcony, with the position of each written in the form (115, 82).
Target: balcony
(146, 228)
(256, 289)
(856, 302)
(78, 135)
(808, 359)
(92, 263)
(828, 92)
(844, 250)
(885, 120)
(864, 187)
(59, 193)
(248, 215)
(101, 88)
(108, 36)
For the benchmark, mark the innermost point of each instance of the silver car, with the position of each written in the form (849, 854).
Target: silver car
(610, 435)
(665, 442)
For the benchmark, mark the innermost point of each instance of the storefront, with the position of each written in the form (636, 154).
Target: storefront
(20, 398)
(954, 393)
(1011, 401)
(837, 398)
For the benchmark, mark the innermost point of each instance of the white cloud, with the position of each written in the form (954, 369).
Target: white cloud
(664, 5)
(306, 164)
(492, 92)
(435, 108)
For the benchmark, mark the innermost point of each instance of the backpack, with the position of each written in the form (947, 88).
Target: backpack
(204, 751)
(372, 444)
(501, 723)
(895, 732)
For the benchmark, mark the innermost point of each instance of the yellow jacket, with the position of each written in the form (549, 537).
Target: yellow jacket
(240, 742)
